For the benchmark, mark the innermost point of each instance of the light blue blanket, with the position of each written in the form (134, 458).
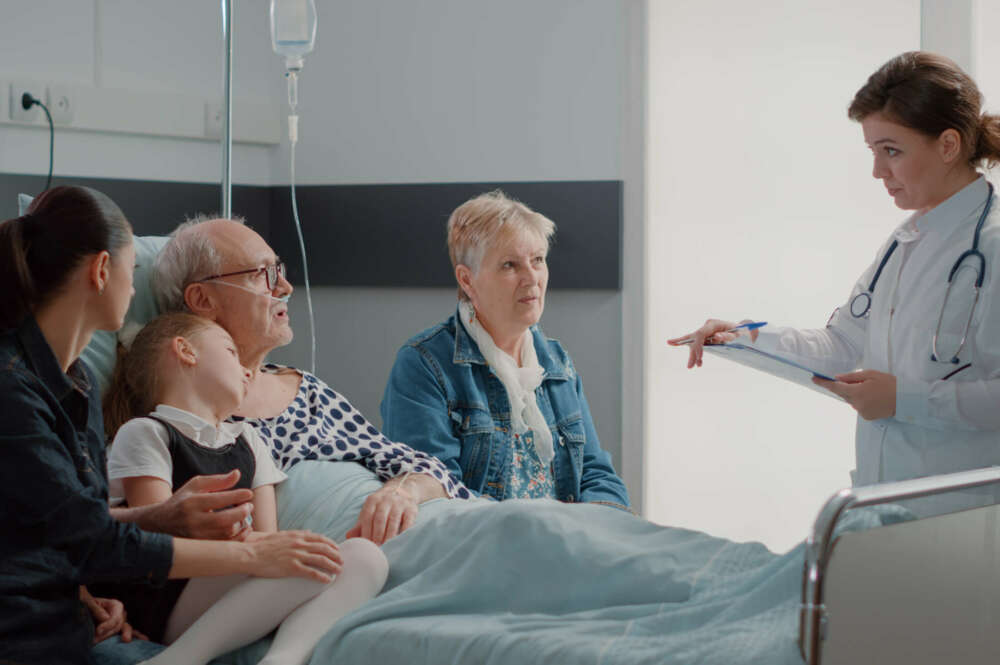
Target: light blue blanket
(536, 581)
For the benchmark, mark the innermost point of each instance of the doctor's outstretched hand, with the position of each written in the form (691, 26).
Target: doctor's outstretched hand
(715, 331)
(871, 393)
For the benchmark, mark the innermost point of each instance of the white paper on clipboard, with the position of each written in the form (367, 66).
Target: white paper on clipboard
(775, 365)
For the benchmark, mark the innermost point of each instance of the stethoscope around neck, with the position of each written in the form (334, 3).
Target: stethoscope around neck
(861, 304)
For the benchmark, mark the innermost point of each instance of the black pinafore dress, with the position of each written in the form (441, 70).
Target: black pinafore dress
(149, 607)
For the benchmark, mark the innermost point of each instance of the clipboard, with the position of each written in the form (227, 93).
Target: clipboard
(773, 364)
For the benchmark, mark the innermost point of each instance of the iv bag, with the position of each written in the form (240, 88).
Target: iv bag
(293, 29)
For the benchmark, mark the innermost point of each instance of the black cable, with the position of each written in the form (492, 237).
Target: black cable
(27, 101)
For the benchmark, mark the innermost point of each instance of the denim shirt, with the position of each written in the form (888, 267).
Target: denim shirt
(443, 398)
(56, 532)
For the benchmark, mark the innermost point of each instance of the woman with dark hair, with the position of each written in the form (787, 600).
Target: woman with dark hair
(66, 269)
(915, 349)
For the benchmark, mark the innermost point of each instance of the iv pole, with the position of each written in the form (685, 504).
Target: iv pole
(227, 111)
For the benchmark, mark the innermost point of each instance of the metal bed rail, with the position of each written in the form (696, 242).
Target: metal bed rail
(819, 545)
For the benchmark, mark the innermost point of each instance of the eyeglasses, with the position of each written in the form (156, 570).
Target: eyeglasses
(271, 272)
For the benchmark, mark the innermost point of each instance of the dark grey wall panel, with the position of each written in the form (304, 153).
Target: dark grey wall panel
(394, 235)
(154, 207)
(376, 235)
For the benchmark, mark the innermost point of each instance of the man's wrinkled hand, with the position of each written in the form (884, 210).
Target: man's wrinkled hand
(386, 514)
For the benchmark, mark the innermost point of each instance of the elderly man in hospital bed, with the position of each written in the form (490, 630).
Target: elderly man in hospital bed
(224, 271)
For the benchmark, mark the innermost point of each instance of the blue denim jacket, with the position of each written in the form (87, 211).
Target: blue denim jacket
(56, 532)
(443, 398)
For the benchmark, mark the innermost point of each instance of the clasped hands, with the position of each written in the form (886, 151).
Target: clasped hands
(109, 618)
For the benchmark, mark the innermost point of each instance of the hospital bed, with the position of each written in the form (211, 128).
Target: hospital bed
(922, 591)
(536, 582)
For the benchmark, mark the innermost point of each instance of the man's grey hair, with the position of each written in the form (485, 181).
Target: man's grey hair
(189, 255)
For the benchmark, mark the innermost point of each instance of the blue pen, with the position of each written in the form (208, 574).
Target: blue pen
(748, 326)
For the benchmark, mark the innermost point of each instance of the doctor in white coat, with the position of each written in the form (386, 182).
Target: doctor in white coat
(915, 349)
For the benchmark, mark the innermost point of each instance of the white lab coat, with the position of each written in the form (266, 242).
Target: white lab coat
(941, 424)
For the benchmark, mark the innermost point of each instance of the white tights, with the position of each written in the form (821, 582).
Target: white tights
(216, 615)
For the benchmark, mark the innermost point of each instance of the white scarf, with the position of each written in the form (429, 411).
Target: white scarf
(520, 382)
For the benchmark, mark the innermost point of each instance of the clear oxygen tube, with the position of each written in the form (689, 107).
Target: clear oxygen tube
(293, 34)
(271, 297)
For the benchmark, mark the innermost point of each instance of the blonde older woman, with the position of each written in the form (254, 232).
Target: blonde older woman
(486, 391)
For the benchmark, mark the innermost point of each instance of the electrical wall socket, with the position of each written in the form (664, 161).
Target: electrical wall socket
(17, 90)
(60, 103)
(121, 111)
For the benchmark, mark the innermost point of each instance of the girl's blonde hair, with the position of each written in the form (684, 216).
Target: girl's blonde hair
(136, 380)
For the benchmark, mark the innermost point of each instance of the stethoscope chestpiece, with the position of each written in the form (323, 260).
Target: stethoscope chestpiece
(861, 304)
(953, 361)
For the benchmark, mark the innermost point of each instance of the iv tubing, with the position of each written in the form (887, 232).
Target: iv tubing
(305, 271)
(293, 137)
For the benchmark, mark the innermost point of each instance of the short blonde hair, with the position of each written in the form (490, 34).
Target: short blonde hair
(481, 221)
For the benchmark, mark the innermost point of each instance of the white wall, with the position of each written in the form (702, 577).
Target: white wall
(460, 91)
(155, 47)
(634, 273)
(761, 204)
(395, 92)
(987, 73)
(950, 27)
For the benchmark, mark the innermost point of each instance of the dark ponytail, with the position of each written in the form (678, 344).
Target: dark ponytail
(14, 272)
(988, 143)
(41, 249)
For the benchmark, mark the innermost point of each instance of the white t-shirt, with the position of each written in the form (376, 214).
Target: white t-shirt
(141, 448)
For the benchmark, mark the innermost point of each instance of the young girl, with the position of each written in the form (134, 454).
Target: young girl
(184, 372)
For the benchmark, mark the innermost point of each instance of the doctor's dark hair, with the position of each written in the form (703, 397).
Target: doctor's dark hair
(41, 249)
(137, 380)
(930, 93)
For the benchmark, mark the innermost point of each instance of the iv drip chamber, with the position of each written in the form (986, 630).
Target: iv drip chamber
(293, 30)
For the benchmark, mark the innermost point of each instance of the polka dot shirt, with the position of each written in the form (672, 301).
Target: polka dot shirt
(320, 424)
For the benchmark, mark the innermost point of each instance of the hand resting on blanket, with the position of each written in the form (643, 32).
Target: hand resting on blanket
(392, 509)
